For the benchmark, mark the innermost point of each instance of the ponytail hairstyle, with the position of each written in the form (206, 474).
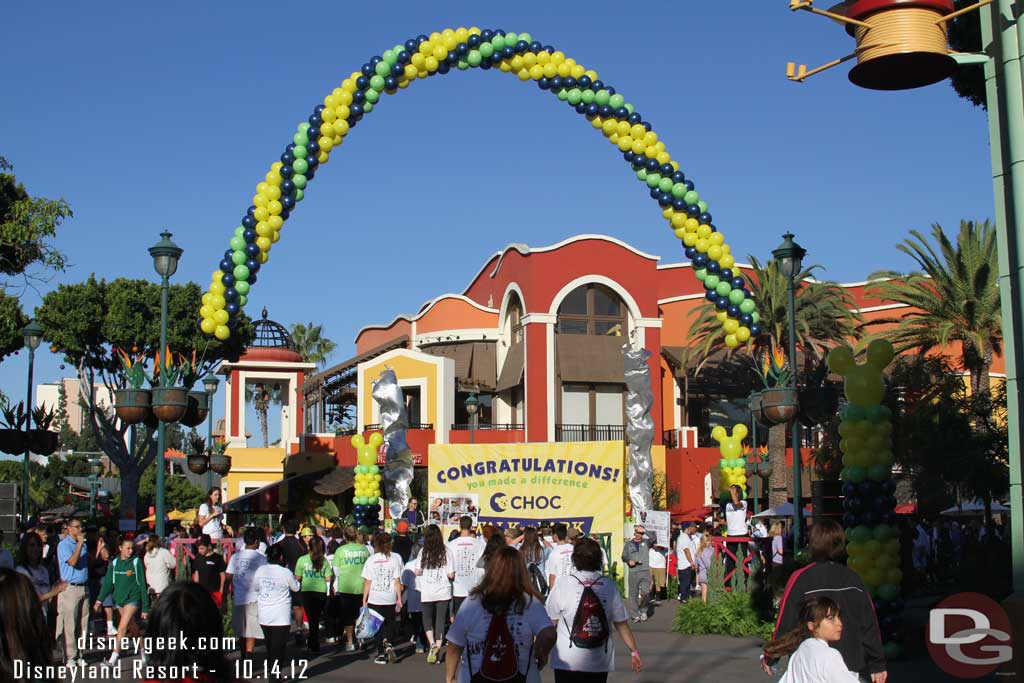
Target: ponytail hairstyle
(316, 552)
(812, 612)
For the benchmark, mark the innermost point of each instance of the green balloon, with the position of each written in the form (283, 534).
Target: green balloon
(747, 306)
(678, 190)
(498, 42)
(237, 242)
(853, 413)
(691, 197)
(665, 184)
(702, 205)
(563, 94)
(736, 297)
(575, 96)
(241, 272)
(462, 64)
(854, 473)
(299, 180)
(860, 533)
(303, 127)
(239, 231)
(367, 107)
(242, 298)
(382, 69)
(300, 139)
(756, 316)
(238, 257)
(300, 151)
(372, 95)
(723, 289)
(879, 413)
(629, 107)
(642, 174)
(243, 289)
(883, 532)
(486, 49)
(511, 39)
(616, 101)
(879, 472)
(526, 37)
(653, 179)
(300, 165)
(389, 57)
(299, 195)
(474, 57)
(712, 281)
(587, 96)
(602, 97)
(377, 83)
(700, 274)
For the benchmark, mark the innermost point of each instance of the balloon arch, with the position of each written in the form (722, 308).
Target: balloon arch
(285, 184)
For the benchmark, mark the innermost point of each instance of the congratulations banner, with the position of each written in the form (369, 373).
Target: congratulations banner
(580, 484)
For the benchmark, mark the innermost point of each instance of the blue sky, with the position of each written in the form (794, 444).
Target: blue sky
(147, 116)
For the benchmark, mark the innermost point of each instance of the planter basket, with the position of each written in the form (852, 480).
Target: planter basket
(778, 406)
(12, 441)
(43, 441)
(198, 409)
(198, 464)
(132, 405)
(169, 403)
(221, 464)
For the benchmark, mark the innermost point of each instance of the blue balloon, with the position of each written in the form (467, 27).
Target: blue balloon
(231, 307)
(692, 210)
(705, 218)
(722, 303)
(652, 164)
(679, 204)
(733, 310)
(249, 222)
(755, 329)
(252, 249)
(678, 177)
(711, 295)
(391, 83)
(227, 266)
(287, 201)
(228, 278)
(738, 282)
(689, 252)
(726, 274)
(700, 260)
(713, 267)
(253, 265)
(606, 110)
(689, 184)
(746, 319)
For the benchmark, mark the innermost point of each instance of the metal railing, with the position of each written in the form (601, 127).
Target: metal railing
(583, 432)
(504, 427)
(412, 425)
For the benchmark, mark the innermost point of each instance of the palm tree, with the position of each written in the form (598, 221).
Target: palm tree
(954, 297)
(311, 344)
(825, 316)
(261, 396)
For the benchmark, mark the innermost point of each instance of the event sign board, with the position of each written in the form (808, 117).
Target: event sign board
(526, 484)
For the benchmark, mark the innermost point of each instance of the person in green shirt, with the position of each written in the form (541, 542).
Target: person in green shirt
(314, 573)
(348, 568)
(126, 580)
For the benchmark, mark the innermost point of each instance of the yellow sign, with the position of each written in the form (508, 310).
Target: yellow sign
(527, 484)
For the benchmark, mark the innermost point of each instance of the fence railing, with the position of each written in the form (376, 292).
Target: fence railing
(413, 425)
(504, 427)
(582, 432)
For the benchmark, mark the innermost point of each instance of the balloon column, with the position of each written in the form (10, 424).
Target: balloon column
(367, 484)
(732, 467)
(285, 183)
(872, 539)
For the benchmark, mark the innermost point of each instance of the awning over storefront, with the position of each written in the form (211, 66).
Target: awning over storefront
(281, 496)
(588, 358)
(475, 362)
(512, 370)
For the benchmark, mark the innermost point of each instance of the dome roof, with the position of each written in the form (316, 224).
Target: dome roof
(270, 334)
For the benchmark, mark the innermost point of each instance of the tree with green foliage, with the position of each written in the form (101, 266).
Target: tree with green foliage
(47, 487)
(179, 492)
(86, 321)
(825, 316)
(27, 256)
(954, 297)
(311, 343)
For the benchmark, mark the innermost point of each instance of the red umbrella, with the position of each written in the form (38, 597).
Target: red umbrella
(906, 509)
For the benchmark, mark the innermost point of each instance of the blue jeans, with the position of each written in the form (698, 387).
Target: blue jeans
(685, 583)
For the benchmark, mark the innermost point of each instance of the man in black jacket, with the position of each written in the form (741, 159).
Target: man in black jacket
(861, 642)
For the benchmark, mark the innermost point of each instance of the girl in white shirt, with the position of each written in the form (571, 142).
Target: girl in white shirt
(435, 569)
(160, 565)
(382, 592)
(211, 515)
(813, 660)
(275, 583)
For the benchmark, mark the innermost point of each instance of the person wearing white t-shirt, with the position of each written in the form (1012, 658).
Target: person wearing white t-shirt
(504, 593)
(211, 515)
(735, 525)
(686, 560)
(587, 665)
(659, 567)
(812, 658)
(159, 564)
(466, 551)
(434, 568)
(241, 572)
(382, 592)
(275, 584)
(559, 562)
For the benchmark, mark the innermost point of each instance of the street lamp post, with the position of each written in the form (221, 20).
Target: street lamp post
(95, 469)
(472, 406)
(165, 255)
(754, 401)
(210, 383)
(32, 334)
(789, 255)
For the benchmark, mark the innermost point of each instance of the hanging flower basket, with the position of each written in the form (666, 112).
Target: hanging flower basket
(132, 405)
(197, 410)
(221, 464)
(12, 441)
(779, 405)
(43, 441)
(169, 403)
(198, 464)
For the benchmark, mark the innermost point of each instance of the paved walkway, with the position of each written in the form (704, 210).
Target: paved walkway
(667, 657)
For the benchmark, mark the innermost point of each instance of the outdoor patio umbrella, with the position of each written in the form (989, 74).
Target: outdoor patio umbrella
(973, 507)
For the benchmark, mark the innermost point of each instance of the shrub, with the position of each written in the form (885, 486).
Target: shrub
(738, 613)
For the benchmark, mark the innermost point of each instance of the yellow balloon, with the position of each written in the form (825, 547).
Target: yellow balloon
(205, 311)
(722, 316)
(208, 326)
(275, 222)
(731, 326)
(714, 252)
(276, 236)
(222, 332)
(731, 341)
(217, 287)
(743, 334)
(221, 317)
(703, 231)
(263, 243)
(263, 256)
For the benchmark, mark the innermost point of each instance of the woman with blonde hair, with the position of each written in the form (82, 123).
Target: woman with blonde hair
(160, 566)
(705, 557)
(776, 535)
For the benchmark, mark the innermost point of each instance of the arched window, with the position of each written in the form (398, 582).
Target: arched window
(514, 316)
(592, 309)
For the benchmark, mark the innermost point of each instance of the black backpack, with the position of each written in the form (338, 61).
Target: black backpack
(537, 578)
(590, 625)
(500, 658)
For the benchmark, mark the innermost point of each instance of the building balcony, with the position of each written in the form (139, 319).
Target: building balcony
(587, 432)
(488, 433)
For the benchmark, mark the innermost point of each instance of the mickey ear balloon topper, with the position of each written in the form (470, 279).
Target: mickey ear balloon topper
(732, 468)
(872, 545)
(367, 483)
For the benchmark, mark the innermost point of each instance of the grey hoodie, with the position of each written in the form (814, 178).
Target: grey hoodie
(639, 553)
